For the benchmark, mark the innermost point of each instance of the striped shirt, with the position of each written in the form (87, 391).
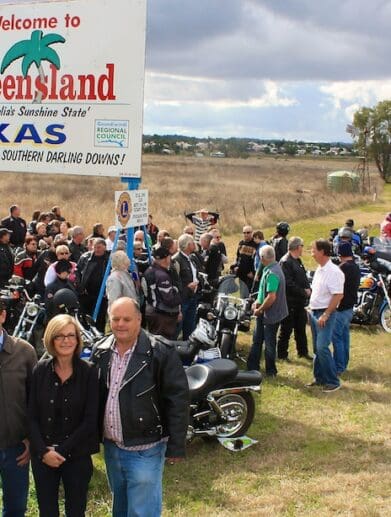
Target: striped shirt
(112, 427)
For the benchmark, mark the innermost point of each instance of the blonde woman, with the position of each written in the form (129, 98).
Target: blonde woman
(120, 282)
(63, 414)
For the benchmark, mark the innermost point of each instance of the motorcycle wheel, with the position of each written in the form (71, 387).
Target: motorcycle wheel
(227, 346)
(238, 405)
(385, 319)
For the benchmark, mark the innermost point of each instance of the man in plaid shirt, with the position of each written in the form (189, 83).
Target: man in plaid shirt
(144, 410)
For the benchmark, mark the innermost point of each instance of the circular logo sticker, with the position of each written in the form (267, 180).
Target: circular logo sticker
(124, 208)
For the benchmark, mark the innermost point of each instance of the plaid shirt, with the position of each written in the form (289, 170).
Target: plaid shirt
(112, 420)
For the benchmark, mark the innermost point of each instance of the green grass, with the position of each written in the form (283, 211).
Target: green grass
(318, 454)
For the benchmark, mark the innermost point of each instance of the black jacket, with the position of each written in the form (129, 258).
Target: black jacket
(6, 264)
(164, 294)
(80, 410)
(154, 396)
(211, 261)
(76, 250)
(245, 259)
(90, 272)
(185, 272)
(296, 280)
(18, 227)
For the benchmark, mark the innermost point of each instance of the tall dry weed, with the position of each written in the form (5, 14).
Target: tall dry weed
(258, 191)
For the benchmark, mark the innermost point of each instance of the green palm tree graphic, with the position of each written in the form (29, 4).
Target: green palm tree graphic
(35, 50)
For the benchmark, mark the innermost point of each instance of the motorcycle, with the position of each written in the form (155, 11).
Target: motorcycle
(14, 296)
(221, 397)
(229, 314)
(373, 301)
(31, 323)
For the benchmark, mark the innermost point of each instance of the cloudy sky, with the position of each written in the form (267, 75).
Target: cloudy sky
(294, 69)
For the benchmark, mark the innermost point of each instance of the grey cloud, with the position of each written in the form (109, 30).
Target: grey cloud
(279, 40)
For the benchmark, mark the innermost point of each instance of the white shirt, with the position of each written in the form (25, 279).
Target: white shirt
(328, 280)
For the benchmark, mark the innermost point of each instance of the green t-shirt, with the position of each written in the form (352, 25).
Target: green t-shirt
(269, 284)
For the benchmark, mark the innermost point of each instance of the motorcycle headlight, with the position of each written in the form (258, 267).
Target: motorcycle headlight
(230, 313)
(32, 310)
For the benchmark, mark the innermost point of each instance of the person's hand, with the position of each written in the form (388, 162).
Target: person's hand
(323, 320)
(250, 275)
(258, 311)
(180, 316)
(307, 292)
(173, 461)
(193, 286)
(51, 458)
(24, 458)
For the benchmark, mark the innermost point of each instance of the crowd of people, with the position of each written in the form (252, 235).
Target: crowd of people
(133, 395)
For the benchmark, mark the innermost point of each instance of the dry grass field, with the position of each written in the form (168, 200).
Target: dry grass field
(317, 454)
(259, 191)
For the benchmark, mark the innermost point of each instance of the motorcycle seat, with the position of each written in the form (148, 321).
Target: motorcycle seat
(248, 378)
(203, 378)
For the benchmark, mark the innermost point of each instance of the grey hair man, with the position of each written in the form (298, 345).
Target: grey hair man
(188, 266)
(76, 244)
(297, 294)
(270, 308)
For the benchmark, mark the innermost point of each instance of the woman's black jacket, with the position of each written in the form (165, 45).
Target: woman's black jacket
(80, 401)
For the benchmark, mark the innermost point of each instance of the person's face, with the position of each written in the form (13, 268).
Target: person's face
(64, 228)
(41, 230)
(257, 240)
(173, 249)
(16, 212)
(125, 322)
(78, 239)
(100, 229)
(62, 254)
(63, 275)
(247, 233)
(65, 342)
(5, 238)
(138, 249)
(32, 246)
(3, 316)
(299, 250)
(204, 244)
(111, 236)
(99, 249)
(316, 254)
(139, 236)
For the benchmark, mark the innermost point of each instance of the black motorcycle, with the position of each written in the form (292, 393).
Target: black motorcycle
(15, 295)
(221, 400)
(373, 300)
(31, 323)
(229, 314)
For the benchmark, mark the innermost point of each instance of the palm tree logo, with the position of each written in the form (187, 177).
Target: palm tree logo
(35, 50)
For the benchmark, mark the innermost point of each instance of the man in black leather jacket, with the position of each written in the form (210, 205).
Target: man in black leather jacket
(144, 410)
(89, 277)
(297, 294)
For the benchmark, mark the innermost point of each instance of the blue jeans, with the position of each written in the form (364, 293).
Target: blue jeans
(325, 371)
(15, 482)
(135, 479)
(263, 333)
(188, 323)
(341, 339)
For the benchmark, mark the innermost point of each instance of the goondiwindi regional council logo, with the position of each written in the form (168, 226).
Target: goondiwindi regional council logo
(35, 50)
(124, 208)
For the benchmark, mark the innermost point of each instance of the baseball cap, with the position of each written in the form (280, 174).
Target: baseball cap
(160, 252)
(345, 249)
(3, 231)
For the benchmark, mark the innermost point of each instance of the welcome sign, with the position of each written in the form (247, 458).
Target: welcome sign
(71, 87)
